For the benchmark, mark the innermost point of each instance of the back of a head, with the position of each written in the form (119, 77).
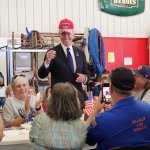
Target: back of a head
(123, 79)
(64, 104)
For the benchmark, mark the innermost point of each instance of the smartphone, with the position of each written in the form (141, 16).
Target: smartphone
(105, 92)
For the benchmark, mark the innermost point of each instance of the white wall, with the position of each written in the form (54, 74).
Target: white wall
(44, 16)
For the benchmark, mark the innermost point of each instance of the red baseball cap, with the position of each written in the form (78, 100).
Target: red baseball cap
(66, 25)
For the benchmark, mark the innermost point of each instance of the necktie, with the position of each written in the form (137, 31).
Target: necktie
(70, 60)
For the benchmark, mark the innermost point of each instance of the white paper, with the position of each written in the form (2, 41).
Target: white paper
(128, 61)
(111, 57)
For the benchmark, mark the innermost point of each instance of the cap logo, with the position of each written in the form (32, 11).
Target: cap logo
(65, 25)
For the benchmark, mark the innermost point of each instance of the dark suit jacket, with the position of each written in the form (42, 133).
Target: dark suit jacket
(60, 70)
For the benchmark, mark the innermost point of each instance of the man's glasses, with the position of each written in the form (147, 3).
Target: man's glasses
(20, 75)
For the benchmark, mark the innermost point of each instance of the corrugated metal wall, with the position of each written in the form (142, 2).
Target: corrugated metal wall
(44, 16)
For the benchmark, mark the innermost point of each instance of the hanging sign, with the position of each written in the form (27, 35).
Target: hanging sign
(122, 7)
(111, 57)
(128, 61)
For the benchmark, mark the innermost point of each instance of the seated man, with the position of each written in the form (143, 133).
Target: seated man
(142, 85)
(127, 123)
(21, 107)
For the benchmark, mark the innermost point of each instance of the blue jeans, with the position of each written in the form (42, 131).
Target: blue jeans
(2, 101)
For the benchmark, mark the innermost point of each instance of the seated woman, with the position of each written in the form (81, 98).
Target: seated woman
(21, 107)
(60, 127)
(1, 128)
(46, 97)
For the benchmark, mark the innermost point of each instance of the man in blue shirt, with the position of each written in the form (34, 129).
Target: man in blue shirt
(127, 124)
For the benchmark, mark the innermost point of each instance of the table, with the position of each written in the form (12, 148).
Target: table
(18, 139)
(15, 139)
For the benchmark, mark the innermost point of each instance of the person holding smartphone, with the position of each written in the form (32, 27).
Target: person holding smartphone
(127, 118)
(60, 127)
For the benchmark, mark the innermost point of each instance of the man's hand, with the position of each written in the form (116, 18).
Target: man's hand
(49, 56)
(81, 78)
(98, 106)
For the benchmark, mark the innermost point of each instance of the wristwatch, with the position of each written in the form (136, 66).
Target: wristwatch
(23, 116)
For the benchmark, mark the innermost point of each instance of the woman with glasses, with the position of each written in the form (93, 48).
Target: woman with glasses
(20, 108)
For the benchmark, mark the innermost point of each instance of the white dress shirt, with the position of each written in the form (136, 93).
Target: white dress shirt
(72, 54)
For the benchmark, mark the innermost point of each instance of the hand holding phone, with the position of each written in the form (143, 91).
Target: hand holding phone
(105, 92)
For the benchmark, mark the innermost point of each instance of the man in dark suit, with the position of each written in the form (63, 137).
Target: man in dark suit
(66, 62)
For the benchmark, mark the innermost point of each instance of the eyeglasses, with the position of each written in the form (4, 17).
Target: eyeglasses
(20, 75)
(31, 91)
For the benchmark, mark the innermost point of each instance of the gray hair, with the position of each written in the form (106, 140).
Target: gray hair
(64, 103)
